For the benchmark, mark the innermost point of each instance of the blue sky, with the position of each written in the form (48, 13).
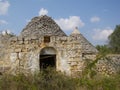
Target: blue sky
(96, 19)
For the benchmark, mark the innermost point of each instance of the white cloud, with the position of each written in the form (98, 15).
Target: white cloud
(95, 19)
(4, 5)
(102, 35)
(70, 23)
(3, 22)
(43, 12)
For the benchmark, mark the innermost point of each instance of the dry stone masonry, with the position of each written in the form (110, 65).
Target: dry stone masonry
(109, 65)
(41, 44)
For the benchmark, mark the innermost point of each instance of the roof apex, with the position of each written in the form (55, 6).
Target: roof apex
(75, 31)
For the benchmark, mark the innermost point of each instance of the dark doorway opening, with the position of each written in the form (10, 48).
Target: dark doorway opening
(47, 61)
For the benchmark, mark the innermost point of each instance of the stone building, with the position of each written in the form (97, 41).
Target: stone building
(42, 43)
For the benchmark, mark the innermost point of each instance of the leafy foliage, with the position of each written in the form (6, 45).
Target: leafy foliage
(103, 49)
(114, 40)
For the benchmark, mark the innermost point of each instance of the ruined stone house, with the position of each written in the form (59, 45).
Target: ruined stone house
(42, 43)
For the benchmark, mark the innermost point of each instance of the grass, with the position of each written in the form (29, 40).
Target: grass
(49, 79)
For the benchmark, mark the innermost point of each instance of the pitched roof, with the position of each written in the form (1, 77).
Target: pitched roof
(42, 26)
(87, 47)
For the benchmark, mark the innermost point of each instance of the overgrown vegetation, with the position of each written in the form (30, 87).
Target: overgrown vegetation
(103, 49)
(114, 40)
(49, 79)
(113, 45)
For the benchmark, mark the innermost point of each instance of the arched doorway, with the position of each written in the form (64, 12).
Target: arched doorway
(47, 58)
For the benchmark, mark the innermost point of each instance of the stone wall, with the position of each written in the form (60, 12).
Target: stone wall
(109, 65)
(23, 55)
(20, 54)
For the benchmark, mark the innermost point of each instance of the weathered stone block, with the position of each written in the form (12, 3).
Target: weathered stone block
(18, 50)
(26, 42)
(13, 57)
(20, 42)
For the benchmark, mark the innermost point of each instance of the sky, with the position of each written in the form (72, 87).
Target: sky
(95, 19)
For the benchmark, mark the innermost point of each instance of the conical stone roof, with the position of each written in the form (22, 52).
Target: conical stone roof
(87, 47)
(42, 26)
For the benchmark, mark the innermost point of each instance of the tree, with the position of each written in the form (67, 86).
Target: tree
(103, 49)
(114, 40)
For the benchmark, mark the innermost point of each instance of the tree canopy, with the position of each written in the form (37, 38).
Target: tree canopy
(114, 40)
(103, 49)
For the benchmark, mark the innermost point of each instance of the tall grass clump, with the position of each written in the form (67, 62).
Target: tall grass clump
(49, 79)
